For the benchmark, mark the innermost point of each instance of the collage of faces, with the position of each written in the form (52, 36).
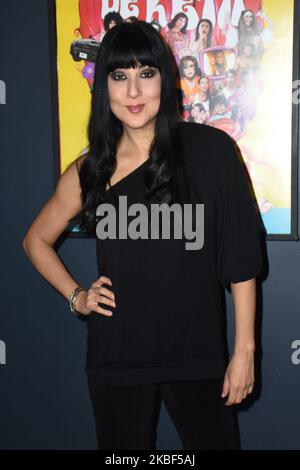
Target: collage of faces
(219, 81)
(218, 77)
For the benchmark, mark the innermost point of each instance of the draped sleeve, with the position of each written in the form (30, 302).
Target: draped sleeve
(239, 228)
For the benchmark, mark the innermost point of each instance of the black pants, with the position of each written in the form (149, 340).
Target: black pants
(127, 417)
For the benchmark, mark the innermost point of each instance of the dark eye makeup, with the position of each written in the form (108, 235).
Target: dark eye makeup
(149, 72)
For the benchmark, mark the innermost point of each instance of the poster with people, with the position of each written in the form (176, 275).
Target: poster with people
(234, 72)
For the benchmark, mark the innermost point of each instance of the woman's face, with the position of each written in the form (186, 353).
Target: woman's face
(180, 22)
(248, 18)
(189, 69)
(204, 28)
(204, 84)
(134, 87)
(220, 58)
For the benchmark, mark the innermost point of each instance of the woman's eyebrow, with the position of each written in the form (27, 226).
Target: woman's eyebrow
(143, 66)
(139, 67)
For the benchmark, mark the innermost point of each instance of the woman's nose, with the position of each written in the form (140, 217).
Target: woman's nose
(134, 88)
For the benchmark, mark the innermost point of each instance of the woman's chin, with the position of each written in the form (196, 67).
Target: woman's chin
(138, 122)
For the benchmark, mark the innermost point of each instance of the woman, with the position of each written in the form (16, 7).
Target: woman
(203, 38)
(249, 33)
(204, 94)
(176, 36)
(154, 314)
(190, 75)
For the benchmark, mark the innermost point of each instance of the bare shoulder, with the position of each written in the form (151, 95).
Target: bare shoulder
(63, 205)
(69, 180)
(79, 161)
(68, 190)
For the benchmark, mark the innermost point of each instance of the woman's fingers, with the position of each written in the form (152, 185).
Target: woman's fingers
(103, 311)
(238, 394)
(100, 294)
(231, 400)
(106, 292)
(98, 286)
(89, 300)
(103, 280)
(93, 303)
(225, 389)
(104, 300)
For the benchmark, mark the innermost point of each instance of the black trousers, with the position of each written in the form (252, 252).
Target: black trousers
(127, 417)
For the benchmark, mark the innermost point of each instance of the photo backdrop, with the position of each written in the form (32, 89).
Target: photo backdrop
(235, 72)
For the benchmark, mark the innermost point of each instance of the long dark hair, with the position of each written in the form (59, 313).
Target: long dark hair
(124, 46)
(173, 22)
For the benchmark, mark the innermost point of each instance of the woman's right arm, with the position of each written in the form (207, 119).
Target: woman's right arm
(52, 220)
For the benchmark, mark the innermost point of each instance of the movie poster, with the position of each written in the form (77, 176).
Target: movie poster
(235, 73)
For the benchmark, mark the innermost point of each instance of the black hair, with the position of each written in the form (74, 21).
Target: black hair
(179, 15)
(126, 46)
(112, 16)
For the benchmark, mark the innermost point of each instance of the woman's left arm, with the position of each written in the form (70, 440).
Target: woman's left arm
(239, 376)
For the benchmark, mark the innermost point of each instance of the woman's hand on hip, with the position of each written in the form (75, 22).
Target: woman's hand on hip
(87, 301)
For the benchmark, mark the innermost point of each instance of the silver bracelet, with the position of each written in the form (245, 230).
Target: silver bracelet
(73, 297)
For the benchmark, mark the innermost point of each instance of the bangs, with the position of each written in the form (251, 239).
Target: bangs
(129, 49)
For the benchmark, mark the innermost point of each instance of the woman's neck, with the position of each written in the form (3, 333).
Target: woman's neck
(136, 141)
